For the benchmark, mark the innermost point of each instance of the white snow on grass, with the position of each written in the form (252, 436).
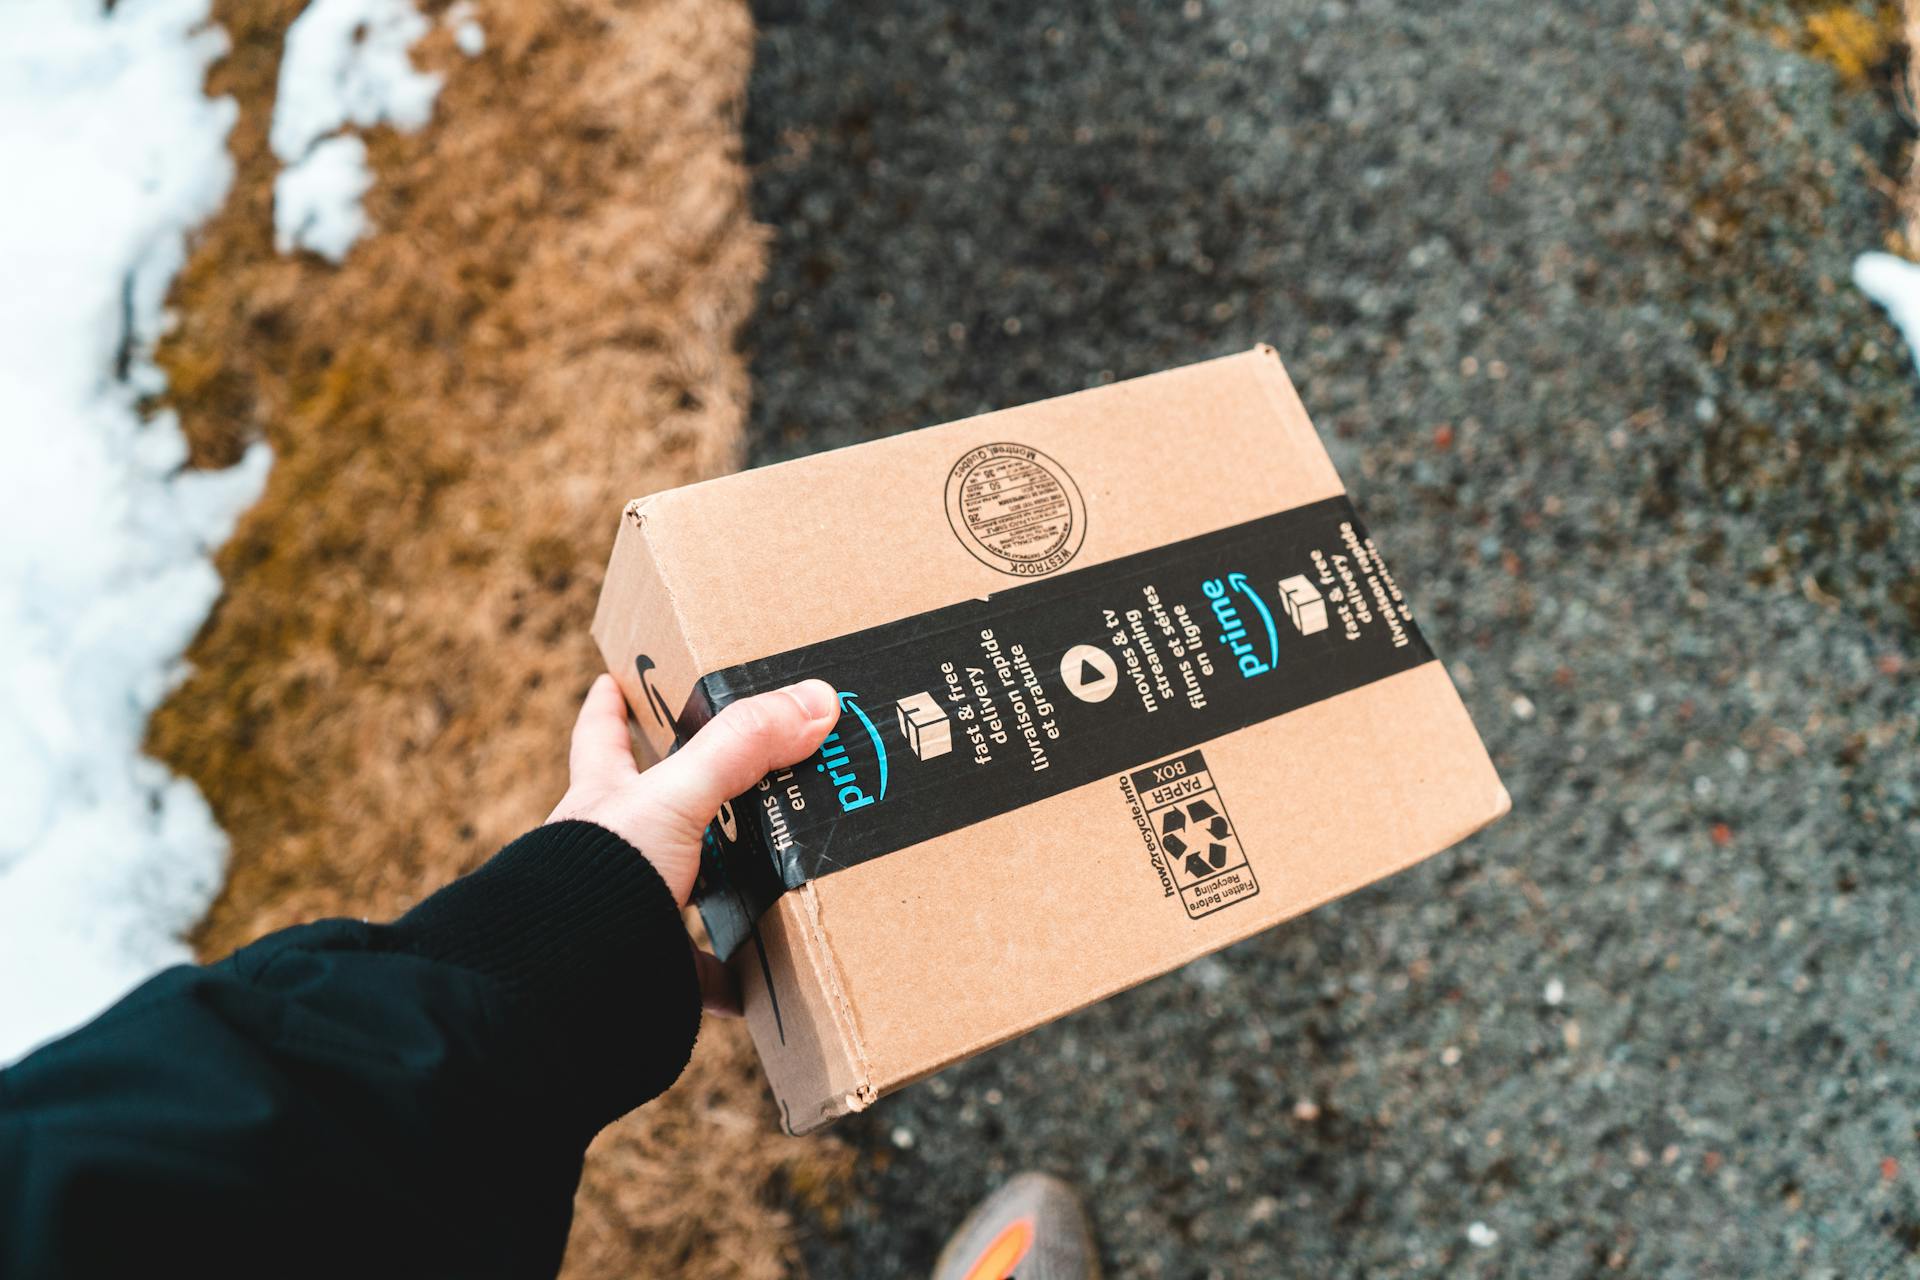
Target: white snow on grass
(346, 64)
(316, 203)
(112, 153)
(468, 35)
(1894, 283)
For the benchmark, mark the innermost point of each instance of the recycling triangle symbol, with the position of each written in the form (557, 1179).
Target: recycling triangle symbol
(1206, 829)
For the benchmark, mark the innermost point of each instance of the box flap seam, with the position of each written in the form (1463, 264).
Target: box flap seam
(864, 1093)
(639, 518)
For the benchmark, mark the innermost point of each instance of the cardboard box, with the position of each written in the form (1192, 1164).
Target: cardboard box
(1124, 681)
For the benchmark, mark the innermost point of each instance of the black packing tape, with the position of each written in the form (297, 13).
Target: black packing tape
(966, 712)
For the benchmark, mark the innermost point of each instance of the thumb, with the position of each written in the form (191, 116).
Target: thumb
(745, 742)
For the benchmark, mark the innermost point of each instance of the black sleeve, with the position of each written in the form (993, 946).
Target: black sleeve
(409, 1099)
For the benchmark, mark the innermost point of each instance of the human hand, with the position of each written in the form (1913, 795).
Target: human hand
(664, 811)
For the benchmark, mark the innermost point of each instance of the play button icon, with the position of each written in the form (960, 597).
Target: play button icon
(1089, 673)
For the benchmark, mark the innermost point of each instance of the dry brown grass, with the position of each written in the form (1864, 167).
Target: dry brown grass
(543, 327)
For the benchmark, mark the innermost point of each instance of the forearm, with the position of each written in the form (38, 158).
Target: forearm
(412, 1098)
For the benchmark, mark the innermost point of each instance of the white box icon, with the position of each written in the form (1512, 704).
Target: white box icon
(925, 726)
(1305, 606)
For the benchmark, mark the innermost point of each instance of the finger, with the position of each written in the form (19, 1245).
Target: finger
(737, 748)
(719, 993)
(601, 748)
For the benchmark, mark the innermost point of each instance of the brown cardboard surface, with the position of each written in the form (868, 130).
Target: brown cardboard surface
(853, 955)
(1128, 446)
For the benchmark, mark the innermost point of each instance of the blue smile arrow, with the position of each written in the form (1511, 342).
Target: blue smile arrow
(847, 703)
(1238, 581)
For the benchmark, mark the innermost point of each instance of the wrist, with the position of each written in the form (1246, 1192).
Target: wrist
(677, 865)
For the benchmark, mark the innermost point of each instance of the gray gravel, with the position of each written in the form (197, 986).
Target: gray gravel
(1565, 286)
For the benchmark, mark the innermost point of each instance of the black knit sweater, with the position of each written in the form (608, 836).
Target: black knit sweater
(407, 1099)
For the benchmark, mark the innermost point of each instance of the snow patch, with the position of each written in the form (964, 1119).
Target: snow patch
(468, 35)
(1894, 283)
(347, 62)
(316, 203)
(106, 859)
(346, 65)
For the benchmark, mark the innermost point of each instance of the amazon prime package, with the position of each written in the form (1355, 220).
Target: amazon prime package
(1124, 679)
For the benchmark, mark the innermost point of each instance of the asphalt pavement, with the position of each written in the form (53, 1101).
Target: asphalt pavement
(1565, 287)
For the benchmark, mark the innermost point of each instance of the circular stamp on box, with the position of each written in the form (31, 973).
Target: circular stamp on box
(1015, 509)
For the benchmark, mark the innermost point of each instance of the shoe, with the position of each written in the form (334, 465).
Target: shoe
(1032, 1228)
